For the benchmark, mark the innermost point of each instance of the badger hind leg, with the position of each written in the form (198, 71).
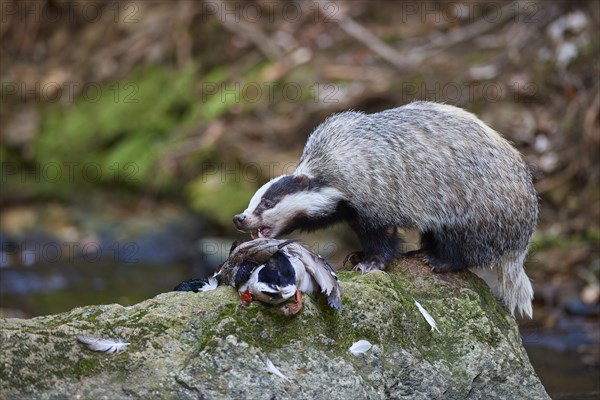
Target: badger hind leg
(459, 250)
(443, 253)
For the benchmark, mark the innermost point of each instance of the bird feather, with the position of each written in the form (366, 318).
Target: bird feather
(427, 316)
(360, 347)
(272, 369)
(109, 346)
(211, 284)
(323, 274)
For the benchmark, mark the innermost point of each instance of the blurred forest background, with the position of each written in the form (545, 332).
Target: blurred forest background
(133, 131)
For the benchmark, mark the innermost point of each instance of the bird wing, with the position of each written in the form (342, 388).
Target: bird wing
(199, 285)
(319, 271)
(234, 275)
(245, 257)
(257, 250)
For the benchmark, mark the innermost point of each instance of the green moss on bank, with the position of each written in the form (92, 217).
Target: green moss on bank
(175, 330)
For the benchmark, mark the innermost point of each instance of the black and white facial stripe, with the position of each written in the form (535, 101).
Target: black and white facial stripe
(287, 203)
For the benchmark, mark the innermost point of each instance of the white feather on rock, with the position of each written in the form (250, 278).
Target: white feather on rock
(109, 346)
(427, 316)
(211, 284)
(272, 369)
(360, 347)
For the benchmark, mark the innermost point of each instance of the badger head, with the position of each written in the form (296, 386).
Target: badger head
(288, 203)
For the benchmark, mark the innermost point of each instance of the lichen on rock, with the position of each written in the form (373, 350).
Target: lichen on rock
(206, 345)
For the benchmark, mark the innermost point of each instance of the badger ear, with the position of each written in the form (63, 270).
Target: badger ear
(302, 180)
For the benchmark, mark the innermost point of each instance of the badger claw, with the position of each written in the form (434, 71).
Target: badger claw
(353, 258)
(368, 266)
(438, 266)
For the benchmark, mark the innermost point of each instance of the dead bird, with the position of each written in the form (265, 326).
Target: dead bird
(273, 271)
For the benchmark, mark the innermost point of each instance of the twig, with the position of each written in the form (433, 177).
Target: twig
(411, 56)
(240, 27)
(367, 38)
(471, 31)
(590, 128)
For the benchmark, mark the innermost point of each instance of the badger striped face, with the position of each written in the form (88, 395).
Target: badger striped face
(287, 203)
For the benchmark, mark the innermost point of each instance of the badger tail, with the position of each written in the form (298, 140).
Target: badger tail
(510, 284)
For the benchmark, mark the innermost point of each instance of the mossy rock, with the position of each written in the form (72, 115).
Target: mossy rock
(206, 345)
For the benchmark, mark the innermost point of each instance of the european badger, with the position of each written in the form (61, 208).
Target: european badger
(428, 166)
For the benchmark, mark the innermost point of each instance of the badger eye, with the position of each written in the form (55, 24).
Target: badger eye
(268, 203)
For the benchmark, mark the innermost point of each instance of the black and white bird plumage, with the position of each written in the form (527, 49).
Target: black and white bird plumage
(273, 271)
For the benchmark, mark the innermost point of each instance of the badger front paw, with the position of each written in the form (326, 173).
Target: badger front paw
(369, 265)
(353, 258)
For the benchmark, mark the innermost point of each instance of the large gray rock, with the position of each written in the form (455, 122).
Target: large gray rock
(205, 345)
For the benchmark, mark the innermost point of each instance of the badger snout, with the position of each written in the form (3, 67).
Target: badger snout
(238, 220)
(246, 223)
(252, 224)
